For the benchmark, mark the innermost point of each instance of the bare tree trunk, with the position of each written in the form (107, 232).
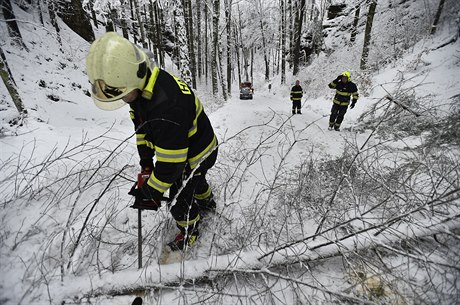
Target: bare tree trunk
(228, 20)
(221, 73)
(12, 25)
(291, 31)
(198, 38)
(260, 12)
(123, 23)
(437, 16)
(183, 60)
(237, 52)
(72, 13)
(143, 39)
(283, 41)
(355, 22)
(10, 84)
(206, 44)
(367, 34)
(190, 39)
(40, 13)
(93, 13)
(215, 45)
(297, 38)
(51, 11)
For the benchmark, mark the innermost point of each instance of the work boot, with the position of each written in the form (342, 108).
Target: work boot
(330, 126)
(336, 128)
(206, 205)
(184, 240)
(298, 112)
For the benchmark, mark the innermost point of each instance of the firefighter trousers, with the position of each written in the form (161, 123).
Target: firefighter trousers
(337, 115)
(186, 210)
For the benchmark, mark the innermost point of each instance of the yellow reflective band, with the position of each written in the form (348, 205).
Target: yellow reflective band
(171, 155)
(186, 223)
(343, 93)
(341, 103)
(141, 141)
(131, 113)
(182, 85)
(148, 90)
(355, 95)
(157, 184)
(203, 196)
(198, 158)
(199, 110)
(333, 85)
(296, 98)
(295, 92)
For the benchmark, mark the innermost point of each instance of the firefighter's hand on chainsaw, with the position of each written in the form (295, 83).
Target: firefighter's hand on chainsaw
(146, 197)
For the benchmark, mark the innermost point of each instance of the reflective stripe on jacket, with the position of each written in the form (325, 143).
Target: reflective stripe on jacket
(343, 92)
(296, 93)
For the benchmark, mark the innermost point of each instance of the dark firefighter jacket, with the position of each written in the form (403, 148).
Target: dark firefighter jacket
(170, 123)
(296, 93)
(343, 92)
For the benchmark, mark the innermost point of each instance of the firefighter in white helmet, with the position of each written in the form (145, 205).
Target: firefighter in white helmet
(170, 124)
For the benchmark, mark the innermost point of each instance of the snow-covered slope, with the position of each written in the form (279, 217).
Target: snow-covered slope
(57, 170)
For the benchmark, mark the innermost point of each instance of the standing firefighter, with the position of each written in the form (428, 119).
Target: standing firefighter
(344, 89)
(296, 97)
(170, 123)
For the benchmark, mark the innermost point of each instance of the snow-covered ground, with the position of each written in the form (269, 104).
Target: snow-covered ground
(69, 150)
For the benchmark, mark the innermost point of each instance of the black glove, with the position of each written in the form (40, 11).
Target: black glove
(353, 102)
(146, 198)
(339, 78)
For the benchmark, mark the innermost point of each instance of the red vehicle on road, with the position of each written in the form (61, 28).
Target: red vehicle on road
(246, 91)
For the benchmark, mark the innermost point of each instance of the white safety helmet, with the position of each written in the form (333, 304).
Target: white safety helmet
(115, 67)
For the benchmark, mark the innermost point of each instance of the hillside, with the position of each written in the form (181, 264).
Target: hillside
(368, 215)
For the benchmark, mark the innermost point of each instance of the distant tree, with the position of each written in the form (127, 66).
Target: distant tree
(367, 34)
(283, 40)
(123, 23)
(10, 84)
(354, 29)
(183, 60)
(73, 14)
(298, 36)
(12, 25)
(260, 12)
(54, 23)
(141, 24)
(190, 39)
(437, 16)
(198, 39)
(228, 23)
(215, 45)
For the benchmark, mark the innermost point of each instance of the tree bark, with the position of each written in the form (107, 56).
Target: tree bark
(198, 39)
(297, 37)
(10, 84)
(283, 41)
(190, 39)
(72, 13)
(437, 16)
(354, 29)
(143, 39)
(12, 25)
(367, 34)
(51, 11)
(215, 45)
(228, 19)
(183, 60)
